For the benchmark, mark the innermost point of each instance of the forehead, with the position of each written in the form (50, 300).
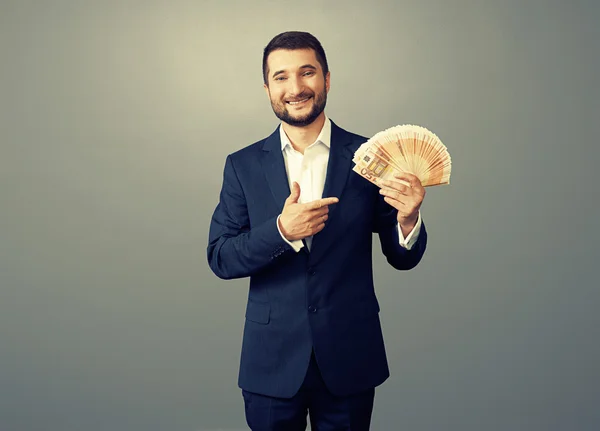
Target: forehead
(286, 59)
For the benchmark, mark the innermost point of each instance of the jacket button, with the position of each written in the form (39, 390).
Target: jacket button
(311, 271)
(312, 308)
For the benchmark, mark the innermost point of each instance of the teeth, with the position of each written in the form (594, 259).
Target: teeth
(299, 101)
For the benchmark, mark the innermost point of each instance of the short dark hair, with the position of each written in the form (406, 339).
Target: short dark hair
(295, 40)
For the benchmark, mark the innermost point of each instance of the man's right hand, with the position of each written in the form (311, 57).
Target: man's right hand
(298, 221)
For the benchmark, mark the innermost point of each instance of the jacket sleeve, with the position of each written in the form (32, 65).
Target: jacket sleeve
(386, 225)
(235, 248)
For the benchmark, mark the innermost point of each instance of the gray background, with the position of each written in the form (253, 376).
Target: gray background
(115, 121)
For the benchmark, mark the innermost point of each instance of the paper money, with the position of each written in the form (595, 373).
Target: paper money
(406, 148)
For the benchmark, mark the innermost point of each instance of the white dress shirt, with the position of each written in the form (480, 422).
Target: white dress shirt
(309, 171)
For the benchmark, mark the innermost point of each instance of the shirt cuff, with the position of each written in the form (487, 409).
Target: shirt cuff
(413, 235)
(296, 244)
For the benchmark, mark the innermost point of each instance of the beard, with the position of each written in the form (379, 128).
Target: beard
(319, 102)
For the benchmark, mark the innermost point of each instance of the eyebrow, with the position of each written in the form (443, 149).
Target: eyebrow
(305, 66)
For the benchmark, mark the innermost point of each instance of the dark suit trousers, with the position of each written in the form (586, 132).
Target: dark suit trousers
(327, 412)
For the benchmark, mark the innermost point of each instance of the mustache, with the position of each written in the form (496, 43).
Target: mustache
(299, 97)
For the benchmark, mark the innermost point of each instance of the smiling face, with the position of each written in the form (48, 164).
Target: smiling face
(296, 86)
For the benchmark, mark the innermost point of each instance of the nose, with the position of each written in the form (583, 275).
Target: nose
(296, 86)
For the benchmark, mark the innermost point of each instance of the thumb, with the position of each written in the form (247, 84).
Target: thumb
(295, 194)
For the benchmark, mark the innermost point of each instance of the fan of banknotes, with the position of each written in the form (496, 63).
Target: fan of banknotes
(405, 148)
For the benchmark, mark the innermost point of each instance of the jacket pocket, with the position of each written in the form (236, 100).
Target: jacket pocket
(258, 312)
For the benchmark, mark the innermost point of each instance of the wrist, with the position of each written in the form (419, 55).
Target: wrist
(281, 228)
(408, 223)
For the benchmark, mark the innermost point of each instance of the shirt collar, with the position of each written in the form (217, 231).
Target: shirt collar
(324, 137)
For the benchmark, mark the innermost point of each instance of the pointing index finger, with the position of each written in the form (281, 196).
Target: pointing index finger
(320, 203)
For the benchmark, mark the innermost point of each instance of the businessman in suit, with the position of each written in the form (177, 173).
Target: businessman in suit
(294, 218)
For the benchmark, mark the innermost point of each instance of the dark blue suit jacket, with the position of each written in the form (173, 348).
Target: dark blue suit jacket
(322, 299)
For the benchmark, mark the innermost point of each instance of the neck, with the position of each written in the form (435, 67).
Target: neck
(302, 137)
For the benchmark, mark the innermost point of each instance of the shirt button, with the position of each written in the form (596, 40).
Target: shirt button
(312, 308)
(311, 271)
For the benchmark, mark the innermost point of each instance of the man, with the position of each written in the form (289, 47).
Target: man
(294, 218)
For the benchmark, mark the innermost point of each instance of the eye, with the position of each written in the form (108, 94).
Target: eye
(280, 78)
(309, 73)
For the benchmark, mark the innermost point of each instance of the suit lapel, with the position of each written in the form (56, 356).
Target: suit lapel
(274, 169)
(339, 165)
(338, 169)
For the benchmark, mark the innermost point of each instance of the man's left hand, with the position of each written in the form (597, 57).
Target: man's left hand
(405, 198)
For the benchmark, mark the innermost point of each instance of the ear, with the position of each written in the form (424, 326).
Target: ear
(266, 87)
(328, 81)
